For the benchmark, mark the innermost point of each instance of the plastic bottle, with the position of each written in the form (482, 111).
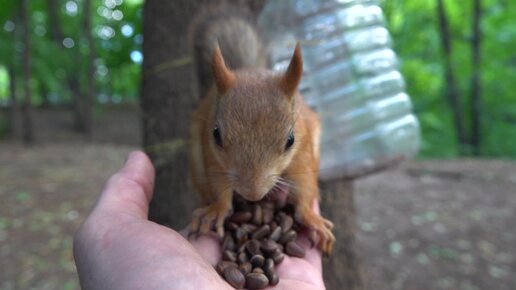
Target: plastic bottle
(351, 79)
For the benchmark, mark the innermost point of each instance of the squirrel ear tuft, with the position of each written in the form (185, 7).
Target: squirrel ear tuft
(292, 77)
(224, 77)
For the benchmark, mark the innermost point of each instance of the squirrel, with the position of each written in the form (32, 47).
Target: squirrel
(252, 132)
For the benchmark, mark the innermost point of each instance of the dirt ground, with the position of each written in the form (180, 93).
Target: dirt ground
(424, 225)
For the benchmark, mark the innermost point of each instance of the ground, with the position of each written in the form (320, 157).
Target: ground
(424, 225)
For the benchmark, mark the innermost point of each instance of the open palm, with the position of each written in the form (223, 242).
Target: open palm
(117, 247)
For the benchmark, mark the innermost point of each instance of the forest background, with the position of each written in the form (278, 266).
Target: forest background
(456, 59)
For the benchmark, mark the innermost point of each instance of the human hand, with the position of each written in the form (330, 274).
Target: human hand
(117, 247)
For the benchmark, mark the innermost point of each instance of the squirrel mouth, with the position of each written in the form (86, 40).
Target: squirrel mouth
(278, 192)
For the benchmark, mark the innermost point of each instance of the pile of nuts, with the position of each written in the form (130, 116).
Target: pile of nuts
(257, 237)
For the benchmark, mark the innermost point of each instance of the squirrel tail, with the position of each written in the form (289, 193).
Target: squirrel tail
(232, 28)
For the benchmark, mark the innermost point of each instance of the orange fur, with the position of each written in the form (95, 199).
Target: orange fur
(255, 110)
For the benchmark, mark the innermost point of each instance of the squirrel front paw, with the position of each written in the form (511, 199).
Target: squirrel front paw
(320, 229)
(210, 217)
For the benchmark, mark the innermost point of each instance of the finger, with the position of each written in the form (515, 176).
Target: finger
(129, 191)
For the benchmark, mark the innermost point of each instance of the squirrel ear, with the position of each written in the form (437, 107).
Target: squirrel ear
(224, 78)
(292, 77)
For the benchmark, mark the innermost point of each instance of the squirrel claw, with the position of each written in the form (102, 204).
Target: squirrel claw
(320, 231)
(207, 218)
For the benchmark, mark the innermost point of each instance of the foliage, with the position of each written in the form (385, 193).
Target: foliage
(415, 31)
(117, 34)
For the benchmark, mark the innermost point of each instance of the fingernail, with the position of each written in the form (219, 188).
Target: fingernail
(129, 156)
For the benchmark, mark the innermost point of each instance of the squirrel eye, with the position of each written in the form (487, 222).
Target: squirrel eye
(290, 141)
(216, 136)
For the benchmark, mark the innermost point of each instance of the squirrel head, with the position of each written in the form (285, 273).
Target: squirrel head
(254, 134)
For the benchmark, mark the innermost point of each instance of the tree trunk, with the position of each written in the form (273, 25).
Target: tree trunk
(476, 88)
(78, 116)
(28, 135)
(72, 80)
(167, 99)
(43, 93)
(55, 22)
(13, 106)
(452, 92)
(342, 270)
(89, 95)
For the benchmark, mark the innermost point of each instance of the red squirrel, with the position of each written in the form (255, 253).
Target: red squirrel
(252, 132)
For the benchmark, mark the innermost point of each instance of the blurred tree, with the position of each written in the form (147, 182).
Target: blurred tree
(476, 88)
(13, 103)
(28, 134)
(452, 92)
(89, 96)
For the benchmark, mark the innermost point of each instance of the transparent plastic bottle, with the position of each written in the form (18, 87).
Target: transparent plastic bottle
(351, 79)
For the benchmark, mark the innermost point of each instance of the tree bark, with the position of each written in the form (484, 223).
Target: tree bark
(13, 106)
(476, 85)
(452, 92)
(28, 134)
(167, 99)
(343, 269)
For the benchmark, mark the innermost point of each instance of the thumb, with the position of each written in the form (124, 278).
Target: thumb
(129, 191)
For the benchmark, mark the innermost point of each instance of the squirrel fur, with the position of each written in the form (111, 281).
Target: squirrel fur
(252, 133)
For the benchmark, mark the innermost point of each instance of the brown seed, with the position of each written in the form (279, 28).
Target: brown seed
(288, 237)
(240, 236)
(234, 277)
(261, 232)
(257, 214)
(268, 265)
(313, 238)
(278, 257)
(286, 223)
(249, 227)
(242, 247)
(245, 268)
(267, 215)
(268, 246)
(295, 250)
(256, 281)
(228, 255)
(258, 270)
(267, 204)
(253, 247)
(281, 248)
(242, 257)
(268, 269)
(257, 260)
(273, 225)
(276, 234)
(240, 217)
(228, 243)
(279, 216)
(222, 265)
(273, 279)
(231, 226)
